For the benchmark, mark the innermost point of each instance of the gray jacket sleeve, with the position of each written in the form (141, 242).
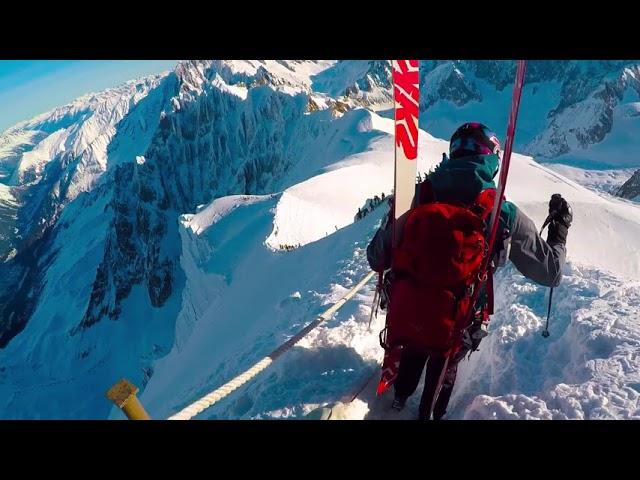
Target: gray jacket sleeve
(533, 256)
(379, 249)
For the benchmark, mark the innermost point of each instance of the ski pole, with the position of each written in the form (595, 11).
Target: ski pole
(545, 332)
(373, 309)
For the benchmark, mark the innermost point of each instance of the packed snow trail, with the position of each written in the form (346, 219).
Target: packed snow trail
(232, 385)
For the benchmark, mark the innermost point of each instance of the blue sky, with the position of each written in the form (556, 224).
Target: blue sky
(30, 87)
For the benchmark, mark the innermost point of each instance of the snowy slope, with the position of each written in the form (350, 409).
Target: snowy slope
(603, 181)
(51, 159)
(227, 253)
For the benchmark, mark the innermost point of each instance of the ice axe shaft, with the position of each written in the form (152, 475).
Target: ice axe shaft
(376, 300)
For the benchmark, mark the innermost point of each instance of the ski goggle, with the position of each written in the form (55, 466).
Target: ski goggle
(496, 145)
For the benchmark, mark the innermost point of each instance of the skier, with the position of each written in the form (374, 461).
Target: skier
(474, 156)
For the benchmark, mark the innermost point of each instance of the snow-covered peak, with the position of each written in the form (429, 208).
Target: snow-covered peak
(362, 82)
(80, 130)
(293, 72)
(63, 116)
(597, 117)
(447, 82)
(291, 76)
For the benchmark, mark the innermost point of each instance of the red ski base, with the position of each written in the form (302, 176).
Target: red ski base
(390, 367)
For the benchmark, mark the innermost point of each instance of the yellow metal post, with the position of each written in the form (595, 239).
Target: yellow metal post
(123, 394)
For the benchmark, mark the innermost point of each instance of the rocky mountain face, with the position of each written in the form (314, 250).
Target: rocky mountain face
(631, 188)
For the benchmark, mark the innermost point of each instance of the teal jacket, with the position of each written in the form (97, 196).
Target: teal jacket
(461, 180)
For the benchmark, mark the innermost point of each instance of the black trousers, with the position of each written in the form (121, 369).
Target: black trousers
(411, 365)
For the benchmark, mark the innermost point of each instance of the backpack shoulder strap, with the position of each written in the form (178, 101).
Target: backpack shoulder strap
(425, 192)
(483, 204)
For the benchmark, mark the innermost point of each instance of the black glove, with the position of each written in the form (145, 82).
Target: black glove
(559, 219)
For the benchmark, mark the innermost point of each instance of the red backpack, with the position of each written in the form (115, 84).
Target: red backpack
(434, 269)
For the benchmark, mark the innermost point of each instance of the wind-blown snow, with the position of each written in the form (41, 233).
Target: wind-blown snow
(588, 368)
